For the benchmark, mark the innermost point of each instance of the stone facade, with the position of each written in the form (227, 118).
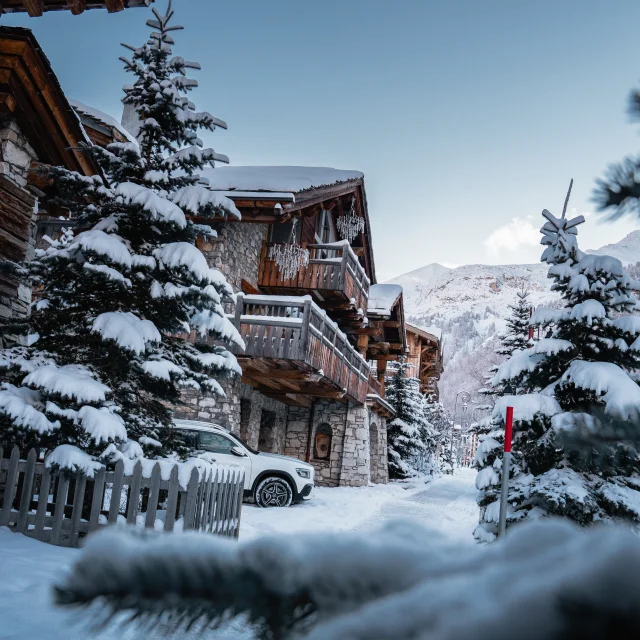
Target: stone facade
(354, 436)
(18, 209)
(16, 154)
(236, 251)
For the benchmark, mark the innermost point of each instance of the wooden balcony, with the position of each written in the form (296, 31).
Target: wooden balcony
(295, 353)
(334, 278)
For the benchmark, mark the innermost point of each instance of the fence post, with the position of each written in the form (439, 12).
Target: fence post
(43, 503)
(134, 493)
(116, 492)
(27, 492)
(190, 507)
(172, 499)
(78, 502)
(9, 492)
(58, 514)
(154, 493)
(96, 501)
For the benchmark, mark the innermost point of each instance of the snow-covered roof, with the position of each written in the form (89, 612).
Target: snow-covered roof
(283, 179)
(382, 298)
(434, 332)
(101, 116)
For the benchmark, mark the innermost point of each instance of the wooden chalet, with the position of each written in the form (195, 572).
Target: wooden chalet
(36, 8)
(425, 357)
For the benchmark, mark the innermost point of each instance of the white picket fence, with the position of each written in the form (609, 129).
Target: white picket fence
(61, 508)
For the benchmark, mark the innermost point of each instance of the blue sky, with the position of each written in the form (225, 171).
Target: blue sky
(467, 118)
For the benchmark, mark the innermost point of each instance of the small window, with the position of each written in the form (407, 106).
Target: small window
(215, 442)
(190, 438)
(322, 448)
(281, 231)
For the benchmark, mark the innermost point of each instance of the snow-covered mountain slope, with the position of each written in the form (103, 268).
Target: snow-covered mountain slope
(627, 250)
(470, 304)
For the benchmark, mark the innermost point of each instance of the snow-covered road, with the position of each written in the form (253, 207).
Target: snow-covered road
(447, 505)
(30, 568)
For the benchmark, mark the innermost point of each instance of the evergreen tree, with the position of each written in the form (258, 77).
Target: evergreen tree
(117, 299)
(440, 422)
(406, 431)
(581, 381)
(515, 337)
(517, 333)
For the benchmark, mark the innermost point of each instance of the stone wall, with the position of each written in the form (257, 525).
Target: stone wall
(352, 461)
(378, 449)
(18, 209)
(260, 413)
(236, 251)
(212, 408)
(16, 154)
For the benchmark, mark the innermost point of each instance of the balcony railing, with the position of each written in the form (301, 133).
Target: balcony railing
(296, 330)
(333, 271)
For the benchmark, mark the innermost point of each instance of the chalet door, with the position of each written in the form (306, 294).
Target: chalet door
(325, 233)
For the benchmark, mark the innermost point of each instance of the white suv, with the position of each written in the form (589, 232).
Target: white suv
(272, 480)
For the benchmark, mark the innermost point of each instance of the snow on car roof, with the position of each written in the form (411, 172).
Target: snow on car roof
(199, 426)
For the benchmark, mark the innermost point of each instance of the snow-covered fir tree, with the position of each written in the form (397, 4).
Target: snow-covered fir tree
(409, 433)
(570, 457)
(440, 422)
(118, 297)
(516, 336)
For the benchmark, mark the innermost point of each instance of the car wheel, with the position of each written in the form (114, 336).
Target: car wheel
(273, 492)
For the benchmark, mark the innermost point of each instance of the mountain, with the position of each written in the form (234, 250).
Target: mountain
(470, 304)
(627, 250)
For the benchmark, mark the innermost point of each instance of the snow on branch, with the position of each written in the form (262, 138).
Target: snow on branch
(68, 381)
(200, 201)
(620, 394)
(159, 208)
(127, 330)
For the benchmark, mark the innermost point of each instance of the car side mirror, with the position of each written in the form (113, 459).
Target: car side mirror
(237, 451)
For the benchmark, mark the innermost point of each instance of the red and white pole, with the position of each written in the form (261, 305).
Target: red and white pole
(506, 459)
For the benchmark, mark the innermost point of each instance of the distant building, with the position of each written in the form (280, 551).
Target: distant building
(425, 356)
(36, 8)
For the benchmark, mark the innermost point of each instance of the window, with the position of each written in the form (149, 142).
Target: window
(325, 233)
(190, 438)
(215, 442)
(281, 231)
(322, 443)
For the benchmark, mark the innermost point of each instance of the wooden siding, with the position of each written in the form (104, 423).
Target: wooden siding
(297, 331)
(333, 271)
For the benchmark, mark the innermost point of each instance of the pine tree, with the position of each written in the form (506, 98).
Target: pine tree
(517, 333)
(407, 432)
(118, 297)
(516, 337)
(440, 422)
(582, 387)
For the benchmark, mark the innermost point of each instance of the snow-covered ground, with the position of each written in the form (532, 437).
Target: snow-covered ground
(30, 568)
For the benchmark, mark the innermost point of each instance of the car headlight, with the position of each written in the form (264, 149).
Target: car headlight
(303, 473)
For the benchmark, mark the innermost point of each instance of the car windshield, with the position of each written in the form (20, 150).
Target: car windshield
(244, 444)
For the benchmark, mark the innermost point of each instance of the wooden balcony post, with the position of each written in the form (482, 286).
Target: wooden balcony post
(363, 345)
(306, 318)
(239, 306)
(381, 366)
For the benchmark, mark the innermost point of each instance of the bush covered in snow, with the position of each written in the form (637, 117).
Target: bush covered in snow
(118, 296)
(546, 580)
(581, 381)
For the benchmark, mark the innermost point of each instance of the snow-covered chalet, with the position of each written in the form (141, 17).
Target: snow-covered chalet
(317, 343)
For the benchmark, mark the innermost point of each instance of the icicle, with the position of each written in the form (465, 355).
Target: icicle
(289, 257)
(351, 224)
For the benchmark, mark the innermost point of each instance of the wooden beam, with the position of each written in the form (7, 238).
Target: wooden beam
(35, 8)
(113, 6)
(391, 324)
(77, 6)
(363, 344)
(7, 104)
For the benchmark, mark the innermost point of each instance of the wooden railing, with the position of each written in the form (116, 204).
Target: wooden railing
(61, 508)
(332, 267)
(295, 328)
